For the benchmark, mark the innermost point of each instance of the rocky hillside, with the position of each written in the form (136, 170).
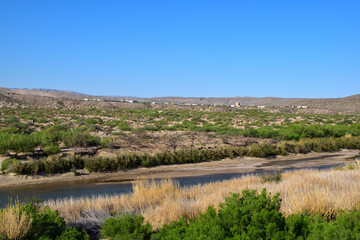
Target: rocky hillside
(49, 98)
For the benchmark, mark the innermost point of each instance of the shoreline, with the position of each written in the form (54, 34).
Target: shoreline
(235, 165)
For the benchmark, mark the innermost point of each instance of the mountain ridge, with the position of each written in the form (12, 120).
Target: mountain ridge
(54, 97)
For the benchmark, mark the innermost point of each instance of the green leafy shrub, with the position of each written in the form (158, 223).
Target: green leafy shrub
(126, 226)
(53, 148)
(7, 162)
(80, 138)
(47, 224)
(249, 216)
(106, 142)
(18, 143)
(71, 233)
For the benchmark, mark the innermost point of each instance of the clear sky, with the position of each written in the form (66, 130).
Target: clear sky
(289, 48)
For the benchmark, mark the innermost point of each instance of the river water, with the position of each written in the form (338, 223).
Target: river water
(45, 192)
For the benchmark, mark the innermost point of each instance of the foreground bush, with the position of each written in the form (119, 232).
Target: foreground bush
(249, 216)
(29, 222)
(125, 227)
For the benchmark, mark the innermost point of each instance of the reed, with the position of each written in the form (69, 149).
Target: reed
(315, 192)
(14, 223)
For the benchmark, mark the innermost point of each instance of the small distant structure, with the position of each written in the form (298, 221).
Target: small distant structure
(85, 99)
(261, 106)
(237, 104)
(300, 107)
(303, 107)
(232, 106)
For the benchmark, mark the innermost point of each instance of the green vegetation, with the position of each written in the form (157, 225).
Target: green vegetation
(249, 216)
(41, 139)
(127, 226)
(6, 162)
(36, 223)
(275, 177)
(124, 161)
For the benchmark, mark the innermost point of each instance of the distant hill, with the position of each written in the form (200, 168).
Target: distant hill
(52, 98)
(245, 101)
(55, 90)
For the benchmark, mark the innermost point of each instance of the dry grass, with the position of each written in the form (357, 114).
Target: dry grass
(313, 191)
(351, 165)
(14, 223)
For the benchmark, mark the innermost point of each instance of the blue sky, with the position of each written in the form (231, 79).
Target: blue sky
(182, 48)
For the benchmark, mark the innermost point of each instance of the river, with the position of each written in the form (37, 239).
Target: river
(53, 191)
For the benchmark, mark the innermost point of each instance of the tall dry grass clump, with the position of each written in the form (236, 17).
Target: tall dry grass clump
(14, 223)
(312, 191)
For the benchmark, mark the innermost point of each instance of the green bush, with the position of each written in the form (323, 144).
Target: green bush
(251, 216)
(131, 160)
(80, 138)
(71, 233)
(18, 143)
(47, 224)
(7, 162)
(106, 142)
(126, 227)
(53, 148)
(245, 217)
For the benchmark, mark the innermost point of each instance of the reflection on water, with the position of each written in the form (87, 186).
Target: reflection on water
(53, 191)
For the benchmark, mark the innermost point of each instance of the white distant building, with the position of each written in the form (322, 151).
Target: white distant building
(261, 106)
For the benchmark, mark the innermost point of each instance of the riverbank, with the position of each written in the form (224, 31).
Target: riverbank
(324, 192)
(235, 165)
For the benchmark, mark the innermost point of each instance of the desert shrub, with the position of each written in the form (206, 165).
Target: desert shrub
(41, 120)
(94, 127)
(249, 216)
(18, 143)
(150, 128)
(71, 233)
(31, 222)
(112, 123)
(90, 121)
(26, 168)
(274, 177)
(123, 126)
(47, 224)
(52, 165)
(52, 134)
(6, 162)
(106, 142)
(301, 131)
(126, 226)
(131, 160)
(53, 148)
(344, 226)
(80, 138)
(17, 127)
